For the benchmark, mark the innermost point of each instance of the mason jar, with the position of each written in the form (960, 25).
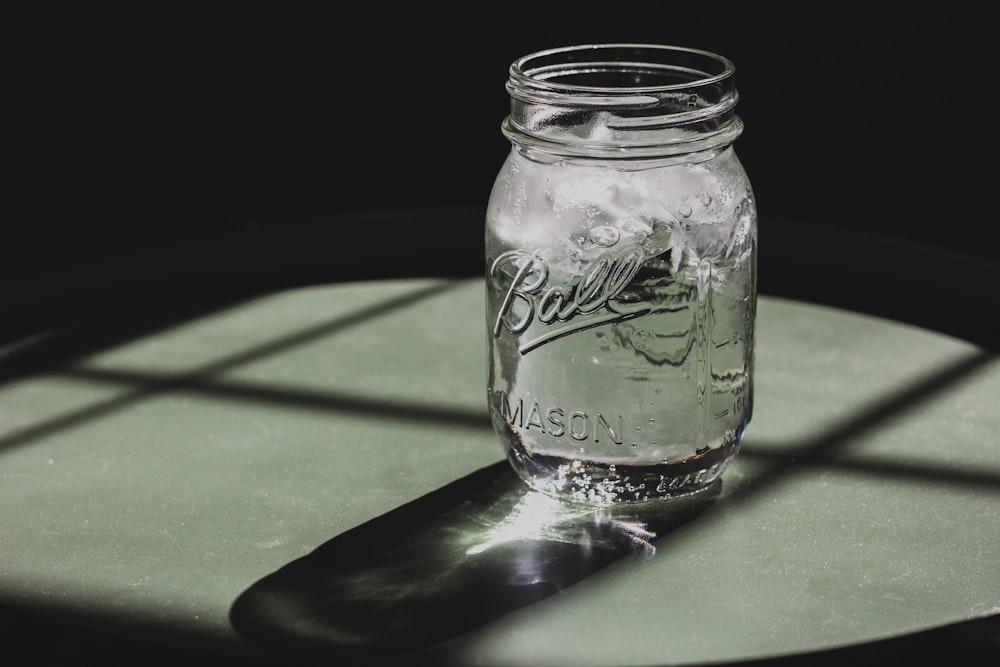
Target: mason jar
(621, 239)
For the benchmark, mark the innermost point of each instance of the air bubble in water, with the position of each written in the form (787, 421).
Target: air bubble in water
(605, 236)
(685, 210)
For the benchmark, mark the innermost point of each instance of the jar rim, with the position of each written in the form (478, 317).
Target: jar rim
(600, 100)
(541, 69)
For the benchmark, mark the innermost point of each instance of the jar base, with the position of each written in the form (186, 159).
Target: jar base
(603, 484)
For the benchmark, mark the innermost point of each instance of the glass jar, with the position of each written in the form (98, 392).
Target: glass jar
(621, 239)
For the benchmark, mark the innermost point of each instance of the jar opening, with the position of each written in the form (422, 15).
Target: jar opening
(600, 99)
(622, 67)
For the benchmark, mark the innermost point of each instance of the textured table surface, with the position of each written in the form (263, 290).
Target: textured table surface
(312, 472)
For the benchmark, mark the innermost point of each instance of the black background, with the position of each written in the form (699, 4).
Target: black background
(136, 128)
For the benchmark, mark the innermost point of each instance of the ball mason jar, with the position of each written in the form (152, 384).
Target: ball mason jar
(620, 245)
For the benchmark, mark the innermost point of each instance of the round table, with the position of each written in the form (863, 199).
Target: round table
(272, 455)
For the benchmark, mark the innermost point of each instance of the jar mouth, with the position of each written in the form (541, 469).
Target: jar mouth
(617, 73)
(597, 99)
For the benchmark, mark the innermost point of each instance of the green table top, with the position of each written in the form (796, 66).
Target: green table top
(313, 471)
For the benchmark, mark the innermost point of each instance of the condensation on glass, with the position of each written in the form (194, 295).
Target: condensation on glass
(621, 295)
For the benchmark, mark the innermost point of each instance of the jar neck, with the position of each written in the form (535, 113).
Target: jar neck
(622, 101)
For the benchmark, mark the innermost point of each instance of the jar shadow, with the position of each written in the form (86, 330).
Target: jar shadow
(443, 565)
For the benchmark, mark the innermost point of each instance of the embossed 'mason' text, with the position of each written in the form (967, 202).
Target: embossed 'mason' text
(558, 422)
(588, 300)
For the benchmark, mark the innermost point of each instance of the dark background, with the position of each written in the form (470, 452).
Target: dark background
(138, 128)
